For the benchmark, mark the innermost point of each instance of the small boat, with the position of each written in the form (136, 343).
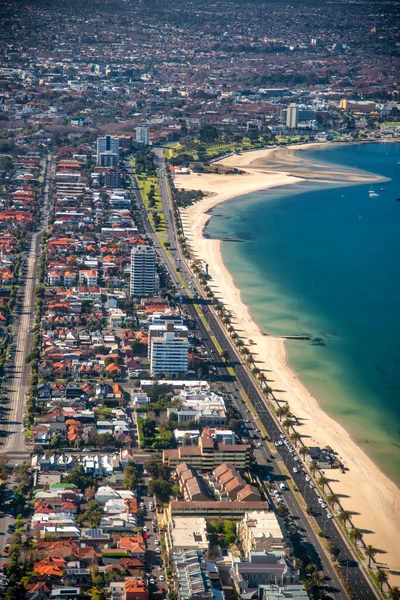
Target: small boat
(398, 199)
(373, 194)
(382, 189)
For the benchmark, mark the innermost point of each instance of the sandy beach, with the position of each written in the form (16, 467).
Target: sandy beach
(364, 488)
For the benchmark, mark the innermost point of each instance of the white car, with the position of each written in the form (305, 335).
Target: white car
(145, 529)
(329, 516)
(152, 581)
(323, 505)
(282, 486)
(158, 551)
(296, 458)
(312, 486)
(295, 470)
(308, 478)
(161, 578)
(157, 542)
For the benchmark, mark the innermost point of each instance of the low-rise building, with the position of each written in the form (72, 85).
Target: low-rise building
(262, 532)
(187, 533)
(262, 568)
(213, 509)
(208, 454)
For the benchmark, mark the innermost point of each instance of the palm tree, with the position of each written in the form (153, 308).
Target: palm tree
(303, 451)
(344, 516)
(287, 424)
(255, 371)
(369, 553)
(355, 535)
(239, 342)
(311, 568)
(245, 351)
(299, 563)
(382, 577)
(333, 499)
(295, 438)
(322, 482)
(317, 578)
(313, 467)
(307, 584)
(394, 593)
(280, 412)
(262, 379)
(249, 360)
(286, 408)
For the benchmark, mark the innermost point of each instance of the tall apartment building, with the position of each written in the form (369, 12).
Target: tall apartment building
(143, 271)
(107, 151)
(292, 116)
(112, 178)
(143, 134)
(169, 352)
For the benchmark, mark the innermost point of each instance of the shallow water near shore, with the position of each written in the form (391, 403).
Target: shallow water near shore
(324, 260)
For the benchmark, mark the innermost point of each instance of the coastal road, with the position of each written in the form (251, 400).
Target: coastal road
(355, 570)
(233, 387)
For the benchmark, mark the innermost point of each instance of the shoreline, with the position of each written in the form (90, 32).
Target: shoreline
(363, 483)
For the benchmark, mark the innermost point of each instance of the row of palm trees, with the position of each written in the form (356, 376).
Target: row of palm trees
(344, 516)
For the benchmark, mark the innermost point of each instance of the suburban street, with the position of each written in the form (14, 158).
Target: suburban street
(247, 390)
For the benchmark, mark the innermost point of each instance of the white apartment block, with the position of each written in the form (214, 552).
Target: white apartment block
(292, 116)
(143, 271)
(169, 352)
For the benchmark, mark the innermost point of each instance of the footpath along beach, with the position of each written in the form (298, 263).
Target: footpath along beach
(363, 488)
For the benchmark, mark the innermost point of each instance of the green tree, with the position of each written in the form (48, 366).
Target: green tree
(161, 489)
(78, 476)
(131, 475)
(394, 593)
(344, 516)
(333, 550)
(382, 577)
(92, 516)
(322, 482)
(370, 552)
(355, 535)
(157, 469)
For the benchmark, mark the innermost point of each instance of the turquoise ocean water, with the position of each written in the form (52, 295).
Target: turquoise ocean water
(325, 261)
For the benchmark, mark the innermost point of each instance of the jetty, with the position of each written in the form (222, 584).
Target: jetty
(295, 337)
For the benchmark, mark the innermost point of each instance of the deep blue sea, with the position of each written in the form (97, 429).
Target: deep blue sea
(325, 261)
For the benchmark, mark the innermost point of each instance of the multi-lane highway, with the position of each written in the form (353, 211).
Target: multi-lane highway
(15, 449)
(354, 569)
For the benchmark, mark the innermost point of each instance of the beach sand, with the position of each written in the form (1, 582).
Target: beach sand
(363, 489)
